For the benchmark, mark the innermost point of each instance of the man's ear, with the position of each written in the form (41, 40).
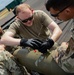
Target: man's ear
(16, 17)
(67, 11)
(32, 10)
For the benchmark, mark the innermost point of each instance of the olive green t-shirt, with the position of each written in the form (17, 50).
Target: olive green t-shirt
(37, 30)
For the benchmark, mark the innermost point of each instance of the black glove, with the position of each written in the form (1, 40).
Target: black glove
(46, 45)
(33, 43)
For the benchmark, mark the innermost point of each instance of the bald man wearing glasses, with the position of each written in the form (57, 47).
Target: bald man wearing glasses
(32, 27)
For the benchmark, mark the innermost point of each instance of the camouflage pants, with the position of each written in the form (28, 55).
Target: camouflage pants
(8, 65)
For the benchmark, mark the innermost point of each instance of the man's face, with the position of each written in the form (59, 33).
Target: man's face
(26, 17)
(64, 14)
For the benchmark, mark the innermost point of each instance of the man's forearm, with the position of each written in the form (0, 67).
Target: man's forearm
(56, 31)
(10, 41)
(56, 34)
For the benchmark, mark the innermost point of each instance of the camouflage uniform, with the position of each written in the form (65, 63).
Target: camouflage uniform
(8, 65)
(66, 59)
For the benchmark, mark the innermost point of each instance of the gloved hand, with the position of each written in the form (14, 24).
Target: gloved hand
(33, 43)
(46, 45)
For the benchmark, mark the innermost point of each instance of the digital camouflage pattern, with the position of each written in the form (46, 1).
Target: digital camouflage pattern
(8, 65)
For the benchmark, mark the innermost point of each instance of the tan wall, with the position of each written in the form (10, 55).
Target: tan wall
(3, 13)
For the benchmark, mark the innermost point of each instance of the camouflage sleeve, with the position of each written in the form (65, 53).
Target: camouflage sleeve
(8, 64)
(3, 70)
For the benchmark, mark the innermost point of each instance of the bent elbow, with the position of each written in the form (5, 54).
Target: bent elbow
(60, 32)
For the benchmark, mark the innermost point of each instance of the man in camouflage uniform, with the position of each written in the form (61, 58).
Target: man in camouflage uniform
(64, 10)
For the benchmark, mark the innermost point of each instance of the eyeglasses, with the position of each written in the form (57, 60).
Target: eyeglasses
(55, 15)
(28, 19)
